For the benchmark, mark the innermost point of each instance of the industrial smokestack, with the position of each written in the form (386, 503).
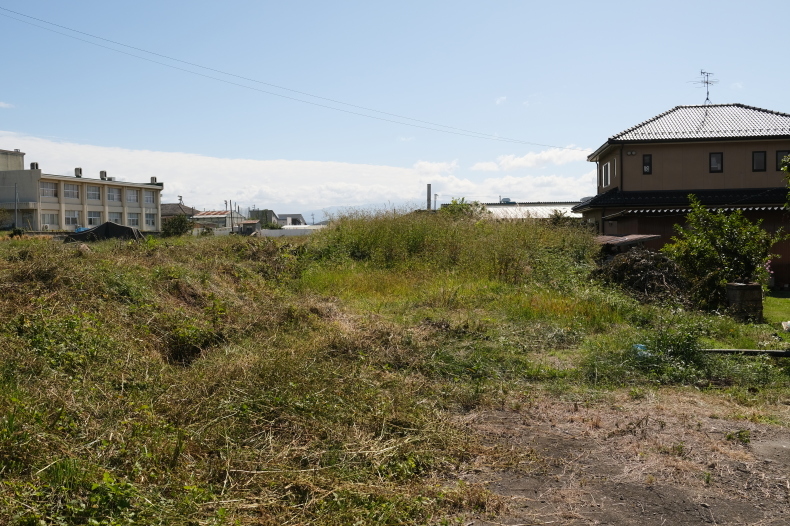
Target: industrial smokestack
(429, 197)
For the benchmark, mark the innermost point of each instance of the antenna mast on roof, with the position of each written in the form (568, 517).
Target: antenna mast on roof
(706, 81)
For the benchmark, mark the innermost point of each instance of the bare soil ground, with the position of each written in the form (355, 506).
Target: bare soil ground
(670, 458)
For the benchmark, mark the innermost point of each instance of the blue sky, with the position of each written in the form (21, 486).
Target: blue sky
(565, 74)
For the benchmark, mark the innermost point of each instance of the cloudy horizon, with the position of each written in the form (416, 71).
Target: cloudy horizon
(297, 186)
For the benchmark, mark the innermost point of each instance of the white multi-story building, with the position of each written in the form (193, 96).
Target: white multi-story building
(60, 202)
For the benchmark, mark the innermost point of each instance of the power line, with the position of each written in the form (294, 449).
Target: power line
(432, 126)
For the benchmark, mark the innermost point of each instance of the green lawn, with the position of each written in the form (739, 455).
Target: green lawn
(776, 307)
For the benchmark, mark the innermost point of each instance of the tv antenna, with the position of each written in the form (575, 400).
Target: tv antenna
(706, 81)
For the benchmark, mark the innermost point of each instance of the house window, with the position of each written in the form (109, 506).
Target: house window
(148, 197)
(114, 194)
(758, 161)
(781, 154)
(72, 218)
(150, 220)
(94, 218)
(716, 162)
(647, 164)
(133, 220)
(132, 196)
(115, 217)
(49, 189)
(49, 219)
(71, 191)
(94, 193)
(605, 175)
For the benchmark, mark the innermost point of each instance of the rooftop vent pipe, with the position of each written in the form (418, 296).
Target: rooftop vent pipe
(77, 172)
(103, 175)
(153, 180)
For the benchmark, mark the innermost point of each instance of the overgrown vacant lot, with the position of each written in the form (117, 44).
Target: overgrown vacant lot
(393, 369)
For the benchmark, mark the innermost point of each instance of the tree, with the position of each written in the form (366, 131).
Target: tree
(176, 226)
(717, 248)
(461, 208)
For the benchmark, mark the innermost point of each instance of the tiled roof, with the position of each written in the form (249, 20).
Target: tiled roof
(174, 209)
(736, 198)
(213, 213)
(619, 241)
(710, 121)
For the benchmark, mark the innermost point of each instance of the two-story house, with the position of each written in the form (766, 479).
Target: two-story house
(43, 201)
(728, 155)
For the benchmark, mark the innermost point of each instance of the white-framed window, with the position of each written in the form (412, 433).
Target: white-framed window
(71, 191)
(150, 220)
(133, 220)
(72, 217)
(94, 193)
(114, 194)
(115, 217)
(49, 189)
(149, 197)
(605, 175)
(94, 218)
(132, 196)
(49, 219)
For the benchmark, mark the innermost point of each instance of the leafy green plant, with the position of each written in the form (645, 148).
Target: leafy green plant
(461, 208)
(719, 247)
(176, 226)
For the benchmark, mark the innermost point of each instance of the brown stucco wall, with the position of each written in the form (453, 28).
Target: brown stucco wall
(684, 166)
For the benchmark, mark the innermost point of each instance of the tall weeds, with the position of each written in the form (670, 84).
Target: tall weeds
(512, 251)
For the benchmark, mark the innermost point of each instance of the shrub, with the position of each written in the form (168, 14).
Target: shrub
(176, 226)
(719, 248)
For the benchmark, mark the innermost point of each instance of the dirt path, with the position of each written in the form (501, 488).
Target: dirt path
(669, 459)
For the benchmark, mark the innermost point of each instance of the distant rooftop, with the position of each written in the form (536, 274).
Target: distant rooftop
(534, 210)
(215, 213)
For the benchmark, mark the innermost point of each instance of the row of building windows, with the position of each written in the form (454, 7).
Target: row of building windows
(73, 218)
(759, 161)
(72, 191)
(716, 162)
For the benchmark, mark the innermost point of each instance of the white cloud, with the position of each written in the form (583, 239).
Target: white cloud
(500, 100)
(405, 139)
(429, 168)
(490, 166)
(288, 186)
(552, 156)
(541, 188)
(737, 85)
(6, 105)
